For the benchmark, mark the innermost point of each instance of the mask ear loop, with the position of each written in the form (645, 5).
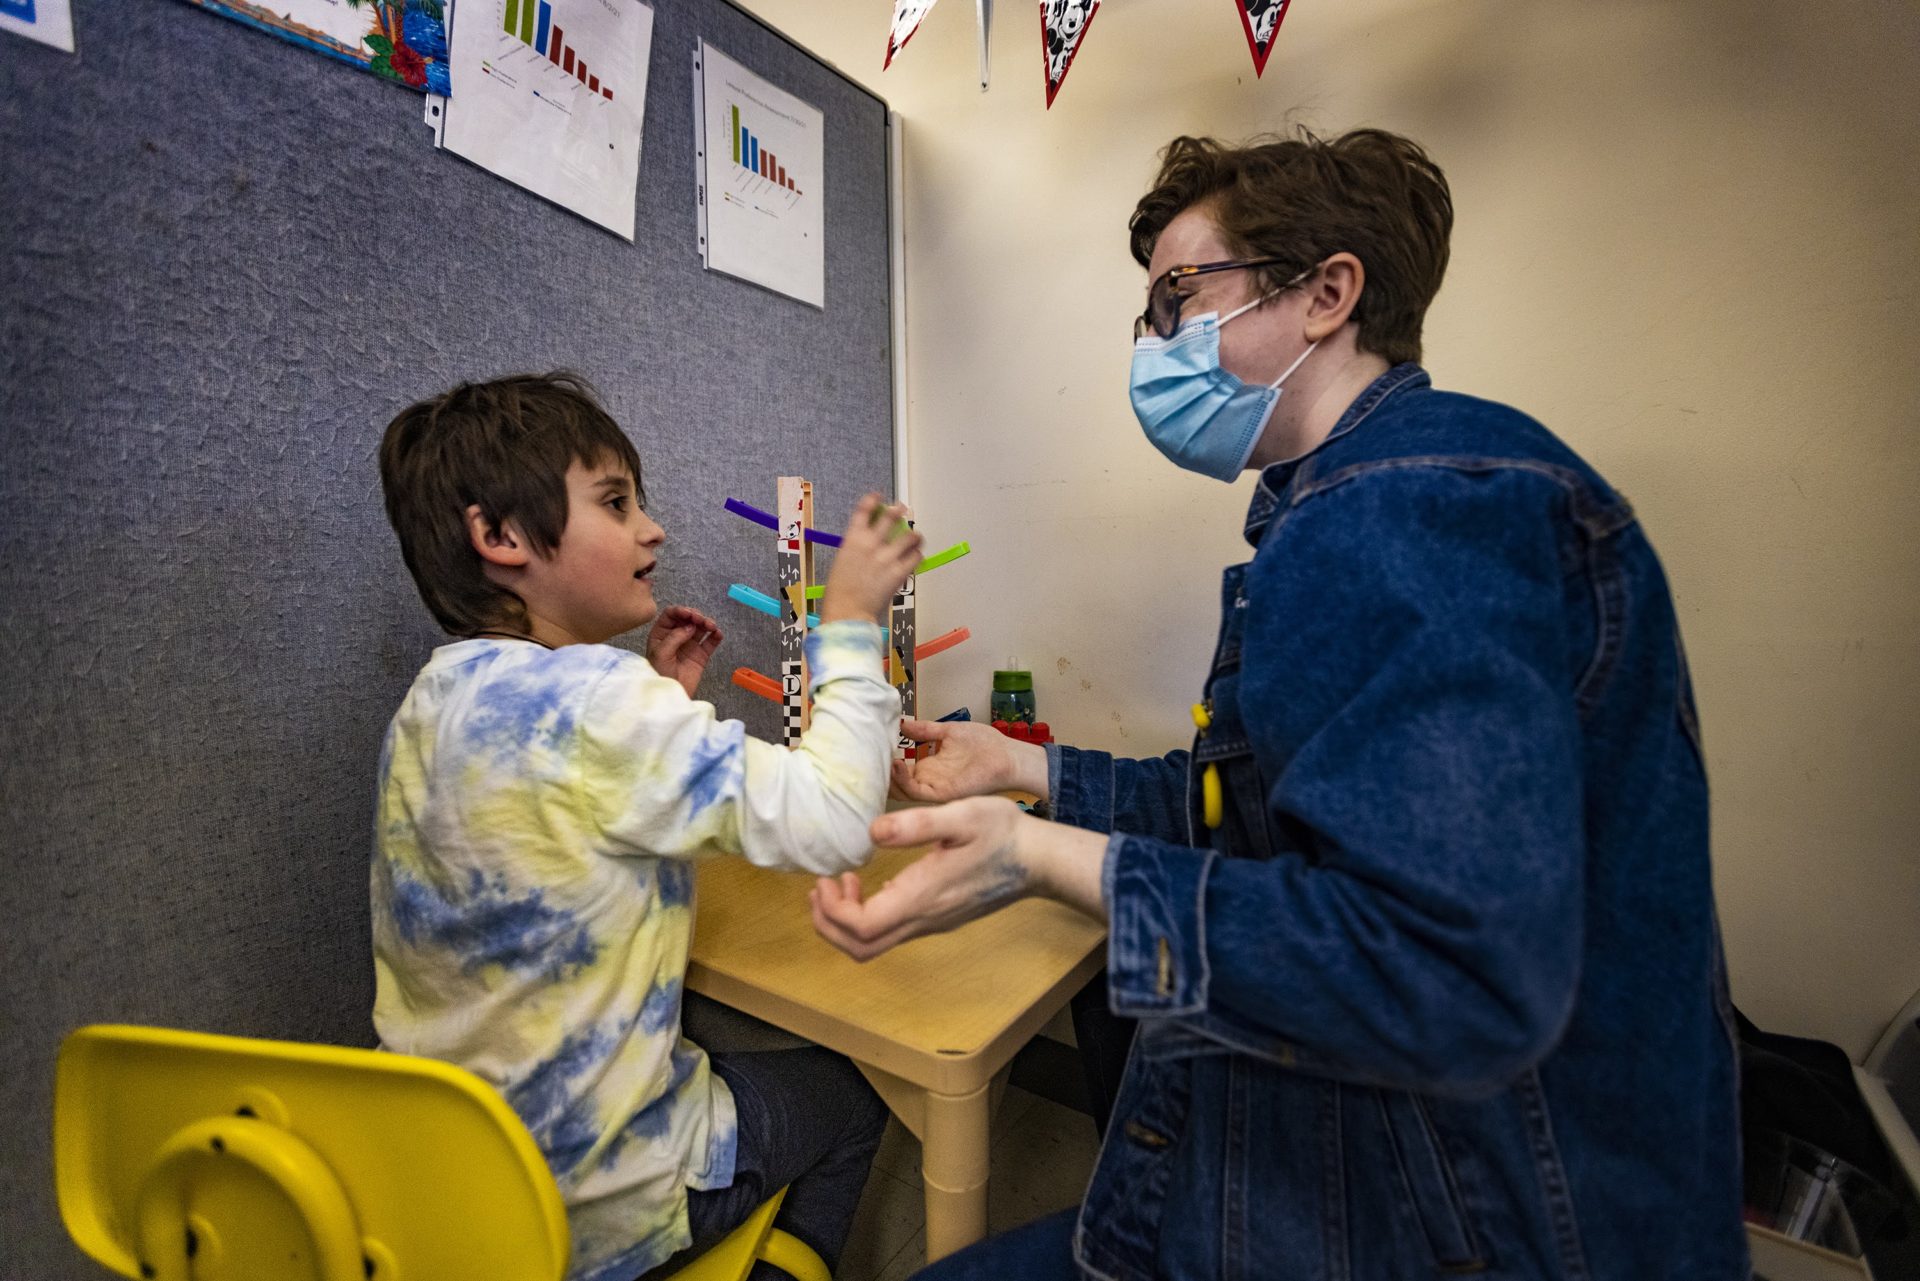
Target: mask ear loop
(1241, 311)
(1275, 384)
(1247, 307)
(1238, 311)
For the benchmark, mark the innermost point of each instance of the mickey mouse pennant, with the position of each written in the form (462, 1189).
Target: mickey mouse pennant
(1262, 19)
(906, 20)
(1063, 25)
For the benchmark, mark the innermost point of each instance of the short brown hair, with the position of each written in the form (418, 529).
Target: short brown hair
(1370, 193)
(506, 445)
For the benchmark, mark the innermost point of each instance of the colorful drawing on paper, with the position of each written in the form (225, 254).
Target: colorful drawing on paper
(400, 40)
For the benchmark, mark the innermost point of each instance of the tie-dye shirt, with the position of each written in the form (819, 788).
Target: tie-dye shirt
(532, 897)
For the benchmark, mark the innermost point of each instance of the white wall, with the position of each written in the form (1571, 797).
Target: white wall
(1687, 239)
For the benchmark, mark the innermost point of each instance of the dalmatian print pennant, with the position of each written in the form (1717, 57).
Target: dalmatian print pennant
(906, 20)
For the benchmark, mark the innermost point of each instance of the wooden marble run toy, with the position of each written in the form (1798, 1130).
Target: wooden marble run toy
(794, 540)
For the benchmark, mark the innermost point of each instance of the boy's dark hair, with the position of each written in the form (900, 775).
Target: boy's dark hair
(1370, 193)
(505, 445)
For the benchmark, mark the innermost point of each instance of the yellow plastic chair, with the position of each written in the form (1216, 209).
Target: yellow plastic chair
(181, 1156)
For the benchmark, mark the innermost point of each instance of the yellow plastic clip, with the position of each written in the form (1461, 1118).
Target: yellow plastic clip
(1213, 804)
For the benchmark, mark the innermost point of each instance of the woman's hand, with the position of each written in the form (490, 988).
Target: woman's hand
(972, 870)
(968, 759)
(985, 854)
(681, 642)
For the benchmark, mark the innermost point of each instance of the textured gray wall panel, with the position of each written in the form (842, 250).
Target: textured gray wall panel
(224, 264)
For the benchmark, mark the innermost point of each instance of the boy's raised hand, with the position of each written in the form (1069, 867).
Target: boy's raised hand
(877, 554)
(681, 642)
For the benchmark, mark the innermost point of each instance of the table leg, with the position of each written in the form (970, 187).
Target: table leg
(955, 1136)
(953, 1164)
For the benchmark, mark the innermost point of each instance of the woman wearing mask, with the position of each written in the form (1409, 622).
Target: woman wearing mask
(1420, 932)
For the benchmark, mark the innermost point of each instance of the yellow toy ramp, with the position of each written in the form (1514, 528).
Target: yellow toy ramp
(184, 1155)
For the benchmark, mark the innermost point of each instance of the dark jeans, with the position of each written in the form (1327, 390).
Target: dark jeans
(810, 1123)
(1041, 1251)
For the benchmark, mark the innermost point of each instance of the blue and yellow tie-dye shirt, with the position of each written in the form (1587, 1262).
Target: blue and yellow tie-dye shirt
(533, 898)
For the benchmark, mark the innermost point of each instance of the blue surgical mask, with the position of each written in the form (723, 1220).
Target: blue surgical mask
(1195, 412)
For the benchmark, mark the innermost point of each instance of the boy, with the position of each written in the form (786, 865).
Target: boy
(542, 795)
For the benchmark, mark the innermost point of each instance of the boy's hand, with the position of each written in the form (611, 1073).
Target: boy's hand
(877, 554)
(681, 642)
(968, 759)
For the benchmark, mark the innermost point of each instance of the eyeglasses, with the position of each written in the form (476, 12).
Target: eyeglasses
(1162, 315)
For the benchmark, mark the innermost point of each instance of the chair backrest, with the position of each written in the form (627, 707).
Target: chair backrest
(180, 1153)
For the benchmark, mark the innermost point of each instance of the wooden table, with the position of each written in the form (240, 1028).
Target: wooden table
(933, 1023)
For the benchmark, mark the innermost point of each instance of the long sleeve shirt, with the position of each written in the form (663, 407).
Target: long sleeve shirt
(532, 884)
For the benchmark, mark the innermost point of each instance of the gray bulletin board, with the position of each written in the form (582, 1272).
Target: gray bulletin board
(225, 262)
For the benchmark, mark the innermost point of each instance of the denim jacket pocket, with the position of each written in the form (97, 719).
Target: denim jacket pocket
(1244, 830)
(1426, 1178)
(1159, 1040)
(1198, 1035)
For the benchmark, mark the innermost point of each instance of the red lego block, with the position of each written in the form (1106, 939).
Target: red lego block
(1019, 731)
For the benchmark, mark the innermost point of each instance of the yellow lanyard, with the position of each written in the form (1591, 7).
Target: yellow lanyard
(1213, 806)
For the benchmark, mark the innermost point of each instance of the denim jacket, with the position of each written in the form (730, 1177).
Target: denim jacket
(1442, 993)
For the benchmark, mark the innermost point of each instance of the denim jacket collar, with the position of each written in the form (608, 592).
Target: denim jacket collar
(1273, 479)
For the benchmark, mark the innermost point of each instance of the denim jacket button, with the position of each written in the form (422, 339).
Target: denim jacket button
(1147, 1138)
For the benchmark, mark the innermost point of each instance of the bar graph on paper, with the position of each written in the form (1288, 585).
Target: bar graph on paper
(531, 22)
(763, 163)
(550, 94)
(758, 161)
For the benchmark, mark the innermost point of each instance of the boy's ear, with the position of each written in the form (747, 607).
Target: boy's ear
(501, 544)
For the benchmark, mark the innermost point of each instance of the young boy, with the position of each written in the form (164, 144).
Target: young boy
(542, 795)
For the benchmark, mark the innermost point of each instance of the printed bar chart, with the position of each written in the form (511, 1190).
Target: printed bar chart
(763, 173)
(748, 155)
(531, 22)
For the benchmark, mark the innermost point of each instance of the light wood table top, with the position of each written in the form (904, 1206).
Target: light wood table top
(933, 1024)
(945, 1012)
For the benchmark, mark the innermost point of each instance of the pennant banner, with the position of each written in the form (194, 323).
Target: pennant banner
(906, 20)
(1063, 25)
(1261, 19)
(983, 13)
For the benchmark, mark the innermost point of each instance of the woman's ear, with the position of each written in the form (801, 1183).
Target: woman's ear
(1332, 295)
(502, 544)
